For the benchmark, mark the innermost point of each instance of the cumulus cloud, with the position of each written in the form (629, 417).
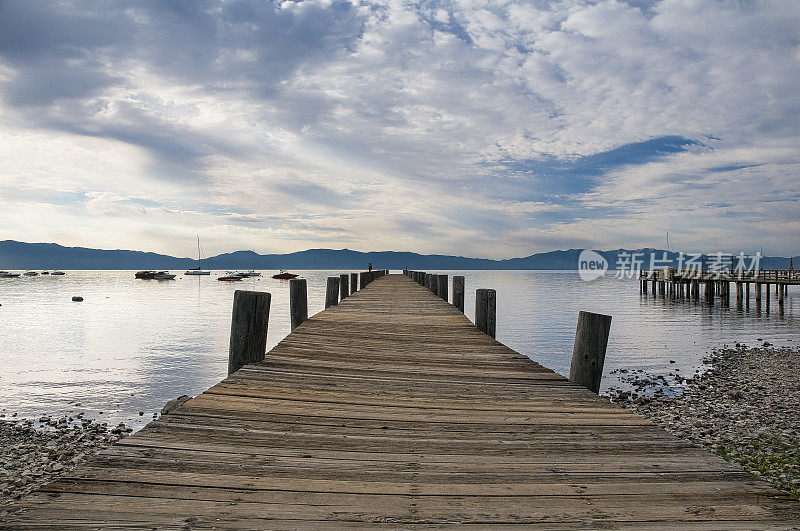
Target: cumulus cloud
(487, 128)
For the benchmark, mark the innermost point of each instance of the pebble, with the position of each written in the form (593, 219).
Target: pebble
(745, 408)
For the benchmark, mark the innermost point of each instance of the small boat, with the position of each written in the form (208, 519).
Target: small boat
(8, 274)
(146, 275)
(31, 274)
(231, 278)
(251, 273)
(163, 275)
(197, 271)
(284, 275)
(45, 272)
(58, 273)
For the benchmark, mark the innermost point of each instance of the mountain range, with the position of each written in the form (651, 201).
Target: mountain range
(21, 255)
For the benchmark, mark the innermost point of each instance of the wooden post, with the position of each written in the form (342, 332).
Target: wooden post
(344, 285)
(766, 296)
(780, 296)
(332, 292)
(458, 292)
(644, 286)
(486, 311)
(364, 279)
(298, 301)
(353, 283)
(757, 288)
(249, 323)
(589, 351)
(441, 286)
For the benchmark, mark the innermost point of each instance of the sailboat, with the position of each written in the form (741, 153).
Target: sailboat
(198, 270)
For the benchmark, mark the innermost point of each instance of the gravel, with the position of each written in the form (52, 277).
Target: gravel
(36, 451)
(745, 408)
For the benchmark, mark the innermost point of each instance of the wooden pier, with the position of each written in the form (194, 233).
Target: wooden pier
(392, 408)
(672, 283)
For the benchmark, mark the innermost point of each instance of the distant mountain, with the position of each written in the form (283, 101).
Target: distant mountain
(20, 255)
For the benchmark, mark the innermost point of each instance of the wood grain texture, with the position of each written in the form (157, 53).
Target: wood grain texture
(392, 408)
(249, 323)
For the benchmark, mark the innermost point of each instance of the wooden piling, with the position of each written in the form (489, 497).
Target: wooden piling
(589, 351)
(757, 289)
(441, 287)
(486, 311)
(249, 323)
(353, 283)
(344, 286)
(644, 286)
(458, 292)
(298, 301)
(332, 292)
(364, 279)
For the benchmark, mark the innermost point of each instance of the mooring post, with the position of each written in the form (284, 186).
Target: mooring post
(644, 286)
(364, 275)
(344, 285)
(353, 283)
(738, 293)
(298, 301)
(249, 323)
(589, 351)
(486, 311)
(332, 292)
(757, 289)
(441, 286)
(458, 292)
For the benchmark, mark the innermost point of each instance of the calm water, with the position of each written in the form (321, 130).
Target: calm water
(132, 344)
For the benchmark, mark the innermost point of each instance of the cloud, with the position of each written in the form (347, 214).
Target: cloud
(493, 129)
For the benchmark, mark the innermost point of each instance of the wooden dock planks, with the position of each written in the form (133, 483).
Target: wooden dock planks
(391, 408)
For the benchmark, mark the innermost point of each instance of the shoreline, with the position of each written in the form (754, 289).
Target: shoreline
(744, 408)
(33, 456)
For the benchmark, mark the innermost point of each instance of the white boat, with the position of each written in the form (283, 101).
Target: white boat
(163, 275)
(197, 271)
(58, 273)
(31, 274)
(8, 274)
(252, 273)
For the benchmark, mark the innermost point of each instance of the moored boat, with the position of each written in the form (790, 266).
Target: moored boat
(58, 273)
(285, 275)
(146, 275)
(197, 271)
(45, 272)
(8, 274)
(31, 274)
(163, 275)
(231, 278)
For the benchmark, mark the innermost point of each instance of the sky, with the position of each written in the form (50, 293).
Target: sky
(481, 128)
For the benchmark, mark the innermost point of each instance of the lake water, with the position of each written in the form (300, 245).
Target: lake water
(134, 344)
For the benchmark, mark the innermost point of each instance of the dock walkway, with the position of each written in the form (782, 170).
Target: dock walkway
(391, 408)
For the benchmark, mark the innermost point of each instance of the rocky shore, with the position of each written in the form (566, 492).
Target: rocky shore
(746, 408)
(36, 451)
